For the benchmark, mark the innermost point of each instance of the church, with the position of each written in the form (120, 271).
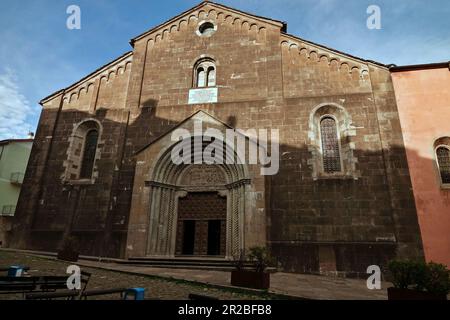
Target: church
(101, 169)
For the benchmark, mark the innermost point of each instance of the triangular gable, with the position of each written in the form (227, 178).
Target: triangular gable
(199, 115)
(206, 7)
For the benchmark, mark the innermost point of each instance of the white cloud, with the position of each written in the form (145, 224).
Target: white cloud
(14, 108)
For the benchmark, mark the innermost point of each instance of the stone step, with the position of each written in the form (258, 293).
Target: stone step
(187, 267)
(183, 261)
(196, 263)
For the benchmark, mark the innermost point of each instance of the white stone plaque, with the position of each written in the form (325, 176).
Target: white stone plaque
(203, 95)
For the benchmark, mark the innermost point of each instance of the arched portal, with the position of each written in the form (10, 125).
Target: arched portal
(213, 208)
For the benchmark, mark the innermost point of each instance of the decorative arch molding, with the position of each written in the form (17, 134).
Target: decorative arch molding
(201, 57)
(356, 68)
(170, 182)
(346, 131)
(215, 15)
(73, 162)
(117, 68)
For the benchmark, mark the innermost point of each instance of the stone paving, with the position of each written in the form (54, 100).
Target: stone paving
(214, 283)
(296, 285)
(156, 288)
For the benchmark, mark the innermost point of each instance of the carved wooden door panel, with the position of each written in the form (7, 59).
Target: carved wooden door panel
(205, 210)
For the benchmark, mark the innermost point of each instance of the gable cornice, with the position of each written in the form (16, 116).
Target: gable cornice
(104, 71)
(331, 54)
(205, 7)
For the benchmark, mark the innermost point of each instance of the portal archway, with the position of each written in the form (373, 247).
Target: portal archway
(172, 183)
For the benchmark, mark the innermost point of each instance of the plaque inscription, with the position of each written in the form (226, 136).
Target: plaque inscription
(203, 95)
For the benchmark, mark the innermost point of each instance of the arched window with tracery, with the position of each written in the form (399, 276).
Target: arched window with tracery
(90, 149)
(205, 73)
(82, 152)
(443, 161)
(331, 143)
(331, 157)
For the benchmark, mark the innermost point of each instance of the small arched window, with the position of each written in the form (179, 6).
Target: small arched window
(205, 74)
(330, 145)
(82, 151)
(211, 77)
(443, 159)
(201, 77)
(90, 149)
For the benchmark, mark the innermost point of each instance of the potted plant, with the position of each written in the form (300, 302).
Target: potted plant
(69, 250)
(436, 281)
(418, 281)
(258, 278)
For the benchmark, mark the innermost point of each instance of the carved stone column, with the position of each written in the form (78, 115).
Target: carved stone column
(162, 220)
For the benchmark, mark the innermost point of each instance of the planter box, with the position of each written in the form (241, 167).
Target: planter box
(407, 294)
(71, 256)
(250, 279)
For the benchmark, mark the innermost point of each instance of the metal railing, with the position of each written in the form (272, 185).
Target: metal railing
(8, 211)
(17, 177)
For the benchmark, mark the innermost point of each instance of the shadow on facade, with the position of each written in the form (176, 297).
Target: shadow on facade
(311, 223)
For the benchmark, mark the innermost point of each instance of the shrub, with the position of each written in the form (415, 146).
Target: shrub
(437, 279)
(261, 258)
(431, 277)
(69, 244)
(402, 273)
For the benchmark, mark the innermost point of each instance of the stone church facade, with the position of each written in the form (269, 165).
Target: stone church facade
(100, 169)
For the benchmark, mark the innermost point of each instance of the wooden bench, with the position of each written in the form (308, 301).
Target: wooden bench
(200, 297)
(103, 292)
(24, 285)
(12, 285)
(68, 294)
(74, 294)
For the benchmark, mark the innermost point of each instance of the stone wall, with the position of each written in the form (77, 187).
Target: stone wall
(423, 102)
(265, 79)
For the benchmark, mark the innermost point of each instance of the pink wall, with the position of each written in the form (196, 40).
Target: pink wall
(423, 98)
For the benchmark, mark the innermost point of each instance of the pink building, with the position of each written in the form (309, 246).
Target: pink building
(423, 99)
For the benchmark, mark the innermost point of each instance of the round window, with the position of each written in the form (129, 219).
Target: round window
(206, 29)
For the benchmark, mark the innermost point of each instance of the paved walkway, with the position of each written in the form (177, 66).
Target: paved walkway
(297, 285)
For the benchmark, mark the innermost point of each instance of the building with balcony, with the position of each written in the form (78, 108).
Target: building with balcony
(14, 156)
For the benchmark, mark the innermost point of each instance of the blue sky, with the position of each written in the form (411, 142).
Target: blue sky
(39, 55)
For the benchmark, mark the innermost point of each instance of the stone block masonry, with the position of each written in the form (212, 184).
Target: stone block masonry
(312, 221)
